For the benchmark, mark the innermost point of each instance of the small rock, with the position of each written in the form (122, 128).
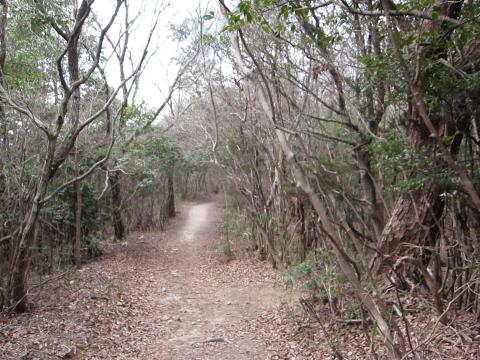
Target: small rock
(67, 352)
(165, 318)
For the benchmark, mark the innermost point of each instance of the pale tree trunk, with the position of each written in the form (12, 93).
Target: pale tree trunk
(395, 346)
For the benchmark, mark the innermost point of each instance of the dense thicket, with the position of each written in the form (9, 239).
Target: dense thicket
(345, 133)
(350, 133)
(79, 156)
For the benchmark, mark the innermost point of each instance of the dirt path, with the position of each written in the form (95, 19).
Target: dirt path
(203, 304)
(164, 295)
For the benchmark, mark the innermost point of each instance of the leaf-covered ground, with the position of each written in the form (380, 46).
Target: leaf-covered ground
(173, 295)
(164, 295)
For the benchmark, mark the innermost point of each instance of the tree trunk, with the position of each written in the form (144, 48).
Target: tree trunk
(185, 187)
(78, 215)
(3, 124)
(74, 72)
(370, 191)
(16, 287)
(413, 224)
(118, 226)
(390, 333)
(414, 220)
(170, 195)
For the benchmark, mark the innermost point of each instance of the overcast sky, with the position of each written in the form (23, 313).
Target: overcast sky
(160, 71)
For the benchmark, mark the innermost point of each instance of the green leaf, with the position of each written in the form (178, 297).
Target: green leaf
(266, 26)
(209, 16)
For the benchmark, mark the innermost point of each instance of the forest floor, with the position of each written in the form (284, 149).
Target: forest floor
(163, 295)
(175, 295)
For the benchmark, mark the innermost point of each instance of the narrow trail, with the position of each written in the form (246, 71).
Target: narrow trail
(201, 312)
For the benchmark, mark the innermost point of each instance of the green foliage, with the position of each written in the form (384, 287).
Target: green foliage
(210, 15)
(22, 71)
(233, 226)
(41, 24)
(320, 277)
(195, 161)
(304, 273)
(151, 156)
(181, 32)
(61, 212)
(29, 52)
(162, 150)
(408, 169)
(60, 217)
(383, 66)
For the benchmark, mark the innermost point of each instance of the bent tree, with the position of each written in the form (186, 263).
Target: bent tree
(372, 109)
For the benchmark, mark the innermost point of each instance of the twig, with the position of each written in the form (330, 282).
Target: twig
(214, 340)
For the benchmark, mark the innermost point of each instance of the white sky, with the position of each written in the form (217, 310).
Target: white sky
(160, 72)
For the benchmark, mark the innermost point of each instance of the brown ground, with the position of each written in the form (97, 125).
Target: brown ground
(163, 296)
(173, 295)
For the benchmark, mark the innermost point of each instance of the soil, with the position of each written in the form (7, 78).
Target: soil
(177, 295)
(170, 295)
(201, 304)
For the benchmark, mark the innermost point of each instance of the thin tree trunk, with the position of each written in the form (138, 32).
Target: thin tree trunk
(118, 226)
(395, 346)
(3, 124)
(16, 287)
(78, 214)
(171, 194)
(370, 190)
(74, 72)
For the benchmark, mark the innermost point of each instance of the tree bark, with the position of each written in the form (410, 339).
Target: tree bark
(16, 286)
(171, 194)
(395, 344)
(118, 226)
(413, 224)
(78, 214)
(414, 218)
(3, 124)
(370, 190)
